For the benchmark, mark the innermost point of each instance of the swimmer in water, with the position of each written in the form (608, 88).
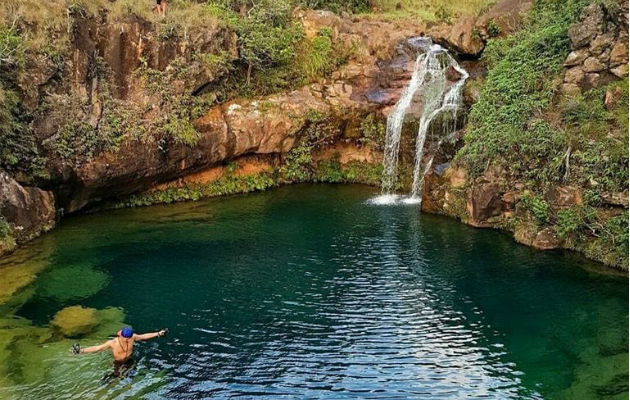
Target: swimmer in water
(121, 347)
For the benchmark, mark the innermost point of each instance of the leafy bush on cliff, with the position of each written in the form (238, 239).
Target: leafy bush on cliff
(5, 231)
(514, 121)
(505, 121)
(538, 206)
(598, 138)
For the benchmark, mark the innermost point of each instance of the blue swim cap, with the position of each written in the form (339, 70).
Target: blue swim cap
(126, 332)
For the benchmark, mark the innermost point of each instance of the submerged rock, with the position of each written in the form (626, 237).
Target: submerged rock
(75, 321)
(72, 282)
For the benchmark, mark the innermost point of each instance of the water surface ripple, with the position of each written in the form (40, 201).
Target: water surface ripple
(309, 292)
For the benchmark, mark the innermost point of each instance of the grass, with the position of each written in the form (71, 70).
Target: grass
(429, 10)
(505, 124)
(45, 25)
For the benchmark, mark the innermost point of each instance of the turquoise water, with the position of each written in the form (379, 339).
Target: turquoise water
(309, 292)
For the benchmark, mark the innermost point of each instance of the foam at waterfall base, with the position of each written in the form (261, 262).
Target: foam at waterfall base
(392, 199)
(412, 200)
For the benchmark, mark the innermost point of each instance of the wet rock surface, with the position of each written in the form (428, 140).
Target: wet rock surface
(29, 211)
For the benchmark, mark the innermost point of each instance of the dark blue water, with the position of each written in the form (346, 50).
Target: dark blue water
(309, 292)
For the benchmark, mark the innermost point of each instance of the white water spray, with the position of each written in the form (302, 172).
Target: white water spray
(429, 77)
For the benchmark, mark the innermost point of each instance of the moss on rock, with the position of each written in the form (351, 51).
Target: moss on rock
(72, 282)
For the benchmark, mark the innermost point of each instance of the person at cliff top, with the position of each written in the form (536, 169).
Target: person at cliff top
(121, 347)
(160, 7)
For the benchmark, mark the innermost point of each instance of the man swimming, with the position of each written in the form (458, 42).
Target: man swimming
(121, 347)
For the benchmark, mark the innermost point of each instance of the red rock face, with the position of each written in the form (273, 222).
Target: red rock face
(234, 129)
(468, 35)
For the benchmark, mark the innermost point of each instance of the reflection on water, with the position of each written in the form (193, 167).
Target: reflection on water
(310, 292)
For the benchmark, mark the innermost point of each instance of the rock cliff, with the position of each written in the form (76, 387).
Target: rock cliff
(497, 198)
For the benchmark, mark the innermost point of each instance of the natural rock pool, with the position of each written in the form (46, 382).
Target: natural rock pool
(304, 292)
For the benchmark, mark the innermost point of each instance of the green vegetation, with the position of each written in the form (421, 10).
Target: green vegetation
(272, 54)
(226, 185)
(5, 230)
(373, 131)
(338, 5)
(541, 138)
(325, 171)
(331, 171)
(505, 121)
(7, 242)
(511, 123)
(538, 206)
(598, 138)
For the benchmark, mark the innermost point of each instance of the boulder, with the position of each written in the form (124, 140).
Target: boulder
(546, 239)
(591, 80)
(525, 232)
(619, 53)
(505, 17)
(612, 96)
(576, 57)
(591, 23)
(620, 71)
(592, 64)
(601, 43)
(574, 75)
(564, 196)
(452, 74)
(604, 57)
(619, 199)
(484, 202)
(570, 89)
(462, 36)
(29, 211)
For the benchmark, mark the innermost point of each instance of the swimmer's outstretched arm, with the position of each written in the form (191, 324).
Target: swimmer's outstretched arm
(94, 349)
(152, 335)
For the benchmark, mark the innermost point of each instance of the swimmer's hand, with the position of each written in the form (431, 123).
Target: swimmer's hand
(76, 349)
(163, 332)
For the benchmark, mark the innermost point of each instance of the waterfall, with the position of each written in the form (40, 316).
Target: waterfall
(438, 96)
(394, 128)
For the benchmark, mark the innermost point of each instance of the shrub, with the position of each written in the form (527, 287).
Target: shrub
(5, 230)
(11, 47)
(598, 137)
(538, 207)
(373, 131)
(493, 29)
(568, 221)
(297, 164)
(329, 171)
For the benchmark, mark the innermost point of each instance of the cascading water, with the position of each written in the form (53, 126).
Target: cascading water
(438, 96)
